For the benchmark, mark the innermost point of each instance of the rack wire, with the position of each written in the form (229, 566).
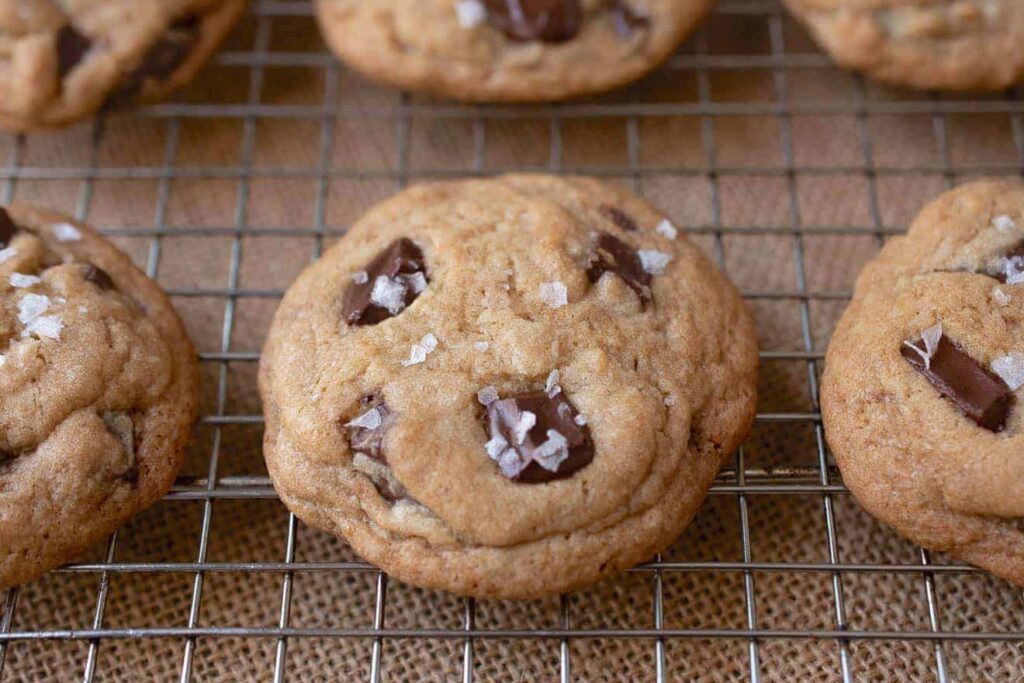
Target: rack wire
(750, 80)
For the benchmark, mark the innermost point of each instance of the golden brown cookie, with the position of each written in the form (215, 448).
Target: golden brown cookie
(923, 384)
(507, 50)
(507, 388)
(64, 60)
(943, 44)
(98, 391)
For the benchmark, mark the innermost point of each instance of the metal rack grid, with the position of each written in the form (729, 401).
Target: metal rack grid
(815, 478)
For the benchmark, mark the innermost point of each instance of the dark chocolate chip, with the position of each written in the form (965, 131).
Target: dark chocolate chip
(402, 266)
(520, 455)
(99, 277)
(980, 394)
(626, 20)
(1011, 263)
(71, 47)
(550, 21)
(8, 228)
(612, 255)
(619, 217)
(162, 60)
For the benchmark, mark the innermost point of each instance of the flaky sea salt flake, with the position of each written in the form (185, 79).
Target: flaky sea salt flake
(22, 280)
(7, 254)
(418, 352)
(388, 293)
(65, 232)
(1000, 297)
(470, 13)
(551, 387)
(496, 447)
(481, 346)
(31, 307)
(653, 261)
(360, 277)
(418, 282)
(48, 326)
(670, 400)
(552, 452)
(1011, 369)
(667, 229)
(523, 425)
(554, 294)
(1003, 224)
(580, 420)
(487, 395)
(369, 420)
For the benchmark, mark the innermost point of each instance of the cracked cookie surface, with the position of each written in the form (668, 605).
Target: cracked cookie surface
(98, 391)
(940, 44)
(64, 60)
(924, 380)
(516, 422)
(507, 50)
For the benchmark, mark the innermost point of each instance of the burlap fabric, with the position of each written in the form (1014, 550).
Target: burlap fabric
(751, 192)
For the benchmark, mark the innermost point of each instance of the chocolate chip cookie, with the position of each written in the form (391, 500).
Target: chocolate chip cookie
(961, 45)
(98, 391)
(507, 50)
(64, 60)
(922, 394)
(507, 388)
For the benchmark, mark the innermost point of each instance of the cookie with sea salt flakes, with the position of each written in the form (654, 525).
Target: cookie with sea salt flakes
(507, 50)
(98, 391)
(923, 387)
(506, 388)
(64, 60)
(932, 44)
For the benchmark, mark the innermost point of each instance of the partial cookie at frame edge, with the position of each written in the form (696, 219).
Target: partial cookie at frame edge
(421, 45)
(971, 46)
(75, 488)
(314, 470)
(910, 455)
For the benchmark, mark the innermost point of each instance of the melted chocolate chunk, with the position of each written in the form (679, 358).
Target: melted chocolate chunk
(549, 445)
(550, 21)
(612, 255)
(370, 440)
(1011, 264)
(402, 276)
(99, 277)
(980, 394)
(619, 218)
(8, 228)
(71, 47)
(163, 59)
(627, 21)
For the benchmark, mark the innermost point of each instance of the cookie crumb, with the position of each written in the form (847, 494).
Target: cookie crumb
(21, 280)
(487, 395)
(360, 277)
(388, 293)
(666, 229)
(653, 261)
(65, 232)
(470, 13)
(1001, 297)
(1003, 224)
(481, 345)
(554, 294)
(551, 387)
(1010, 369)
(418, 353)
(7, 254)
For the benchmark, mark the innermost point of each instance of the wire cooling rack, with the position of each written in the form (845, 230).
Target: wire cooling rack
(789, 172)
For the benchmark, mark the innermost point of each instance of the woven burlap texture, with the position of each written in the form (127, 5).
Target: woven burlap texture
(365, 144)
